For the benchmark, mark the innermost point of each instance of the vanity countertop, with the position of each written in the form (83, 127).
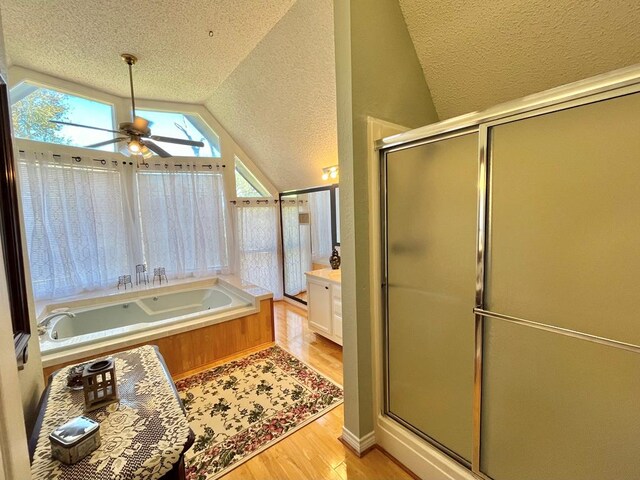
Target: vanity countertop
(333, 276)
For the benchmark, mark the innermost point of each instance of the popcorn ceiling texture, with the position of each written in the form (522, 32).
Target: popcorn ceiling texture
(476, 54)
(81, 40)
(268, 75)
(280, 103)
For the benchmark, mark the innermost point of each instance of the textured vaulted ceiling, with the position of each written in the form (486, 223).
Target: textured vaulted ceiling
(478, 53)
(281, 101)
(80, 41)
(267, 74)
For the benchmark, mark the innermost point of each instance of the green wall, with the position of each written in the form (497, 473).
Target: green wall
(377, 75)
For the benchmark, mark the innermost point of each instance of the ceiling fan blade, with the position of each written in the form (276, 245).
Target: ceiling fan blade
(107, 142)
(140, 124)
(83, 126)
(156, 149)
(179, 141)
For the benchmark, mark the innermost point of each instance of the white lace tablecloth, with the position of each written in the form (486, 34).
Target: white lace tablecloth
(143, 435)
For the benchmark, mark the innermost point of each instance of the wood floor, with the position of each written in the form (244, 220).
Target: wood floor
(314, 452)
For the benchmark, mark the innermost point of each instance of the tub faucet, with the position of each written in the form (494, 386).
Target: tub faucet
(44, 323)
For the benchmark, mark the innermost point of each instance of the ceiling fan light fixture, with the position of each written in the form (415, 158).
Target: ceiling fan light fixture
(134, 147)
(145, 152)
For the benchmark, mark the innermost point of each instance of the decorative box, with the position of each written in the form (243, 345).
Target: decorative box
(74, 440)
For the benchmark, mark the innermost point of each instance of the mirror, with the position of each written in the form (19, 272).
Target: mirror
(309, 223)
(10, 236)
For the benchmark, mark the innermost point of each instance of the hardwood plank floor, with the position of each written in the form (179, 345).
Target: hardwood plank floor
(314, 452)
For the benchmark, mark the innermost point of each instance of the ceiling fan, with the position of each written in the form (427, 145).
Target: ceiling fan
(136, 134)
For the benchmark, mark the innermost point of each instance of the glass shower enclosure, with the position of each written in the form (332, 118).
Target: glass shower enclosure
(511, 266)
(309, 232)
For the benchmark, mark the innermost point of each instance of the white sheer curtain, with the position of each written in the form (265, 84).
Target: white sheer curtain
(76, 221)
(184, 220)
(294, 280)
(257, 237)
(89, 220)
(320, 210)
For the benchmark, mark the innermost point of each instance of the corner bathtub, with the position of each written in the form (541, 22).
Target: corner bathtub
(102, 325)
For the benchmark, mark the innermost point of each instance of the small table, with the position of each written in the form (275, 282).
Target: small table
(144, 435)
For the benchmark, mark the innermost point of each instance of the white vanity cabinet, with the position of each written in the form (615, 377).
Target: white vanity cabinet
(324, 303)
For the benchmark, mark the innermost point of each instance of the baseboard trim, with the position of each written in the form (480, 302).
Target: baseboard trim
(416, 455)
(360, 445)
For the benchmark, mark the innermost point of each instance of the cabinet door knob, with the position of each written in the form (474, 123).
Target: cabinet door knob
(326, 288)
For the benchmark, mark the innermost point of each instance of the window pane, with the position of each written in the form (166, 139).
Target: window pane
(247, 185)
(184, 126)
(33, 107)
(244, 188)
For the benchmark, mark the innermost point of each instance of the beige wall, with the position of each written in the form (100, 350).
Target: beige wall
(378, 75)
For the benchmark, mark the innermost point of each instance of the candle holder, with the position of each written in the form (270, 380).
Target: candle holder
(99, 384)
(123, 280)
(159, 273)
(141, 274)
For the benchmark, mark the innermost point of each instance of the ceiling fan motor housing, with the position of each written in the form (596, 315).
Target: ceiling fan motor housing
(132, 130)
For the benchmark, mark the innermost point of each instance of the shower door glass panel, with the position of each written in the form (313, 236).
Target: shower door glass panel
(556, 407)
(563, 251)
(565, 225)
(431, 250)
(296, 243)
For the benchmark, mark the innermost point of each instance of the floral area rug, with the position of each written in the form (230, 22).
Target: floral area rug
(243, 407)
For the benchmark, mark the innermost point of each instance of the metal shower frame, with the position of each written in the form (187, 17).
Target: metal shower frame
(603, 87)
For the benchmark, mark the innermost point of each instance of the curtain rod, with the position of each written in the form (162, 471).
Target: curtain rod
(248, 202)
(102, 161)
